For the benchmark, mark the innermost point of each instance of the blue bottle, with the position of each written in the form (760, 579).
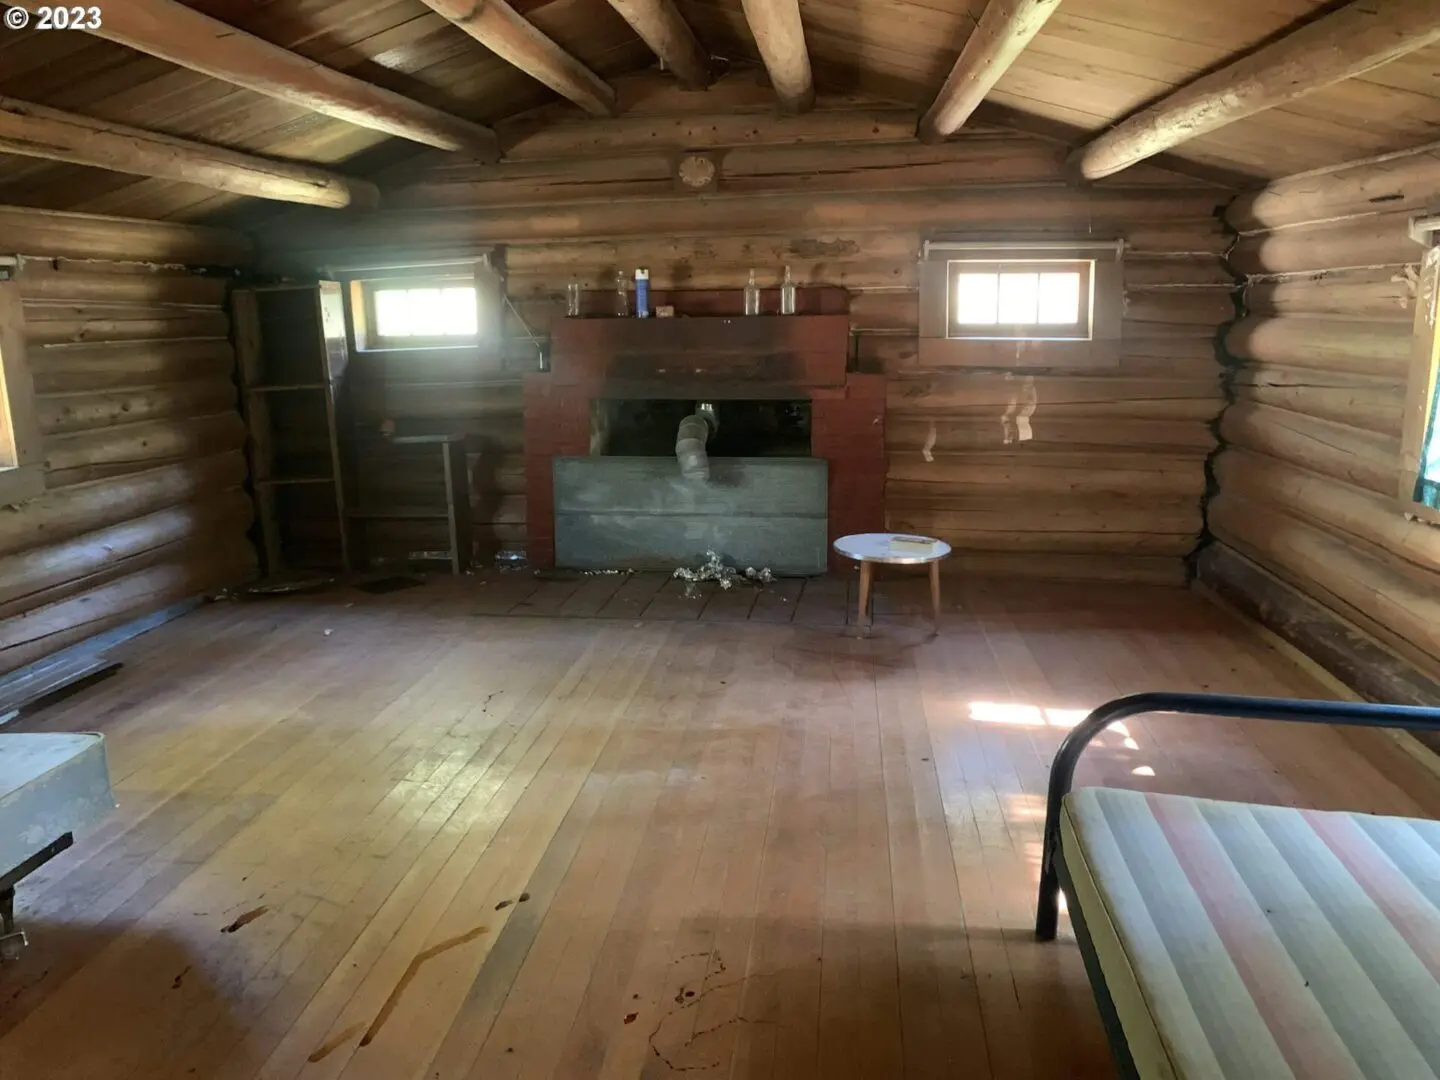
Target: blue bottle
(642, 293)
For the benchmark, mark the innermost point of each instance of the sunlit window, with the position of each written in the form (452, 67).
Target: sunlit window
(1020, 300)
(445, 312)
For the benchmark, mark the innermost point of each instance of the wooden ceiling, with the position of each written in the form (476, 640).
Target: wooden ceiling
(1092, 63)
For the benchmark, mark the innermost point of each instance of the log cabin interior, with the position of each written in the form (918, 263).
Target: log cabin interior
(450, 454)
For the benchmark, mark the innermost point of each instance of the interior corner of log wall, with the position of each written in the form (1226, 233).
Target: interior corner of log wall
(1308, 476)
(142, 439)
(1096, 473)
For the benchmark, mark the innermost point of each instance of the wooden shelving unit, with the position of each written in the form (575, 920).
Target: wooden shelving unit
(292, 355)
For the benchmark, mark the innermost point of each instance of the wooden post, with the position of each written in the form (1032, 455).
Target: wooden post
(37, 131)
(497, 26)
(780, 36)
(174, 32)
(669, 36)
(1002, 33)
(1359, 36)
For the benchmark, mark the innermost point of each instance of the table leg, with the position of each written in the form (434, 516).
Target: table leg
(863, 617)
(935, 592)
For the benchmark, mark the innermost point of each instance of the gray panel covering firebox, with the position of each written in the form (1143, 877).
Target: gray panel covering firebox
(640, 513)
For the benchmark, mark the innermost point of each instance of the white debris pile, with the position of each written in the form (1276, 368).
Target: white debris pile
(716, 569)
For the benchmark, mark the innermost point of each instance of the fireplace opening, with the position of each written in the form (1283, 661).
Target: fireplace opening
(647, 428)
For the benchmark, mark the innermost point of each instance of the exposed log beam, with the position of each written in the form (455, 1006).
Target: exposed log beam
(781, 40)
(662, 27)
(999, 37)
(502, 30)
(1359, 36)
(170, 30)
(37, 131)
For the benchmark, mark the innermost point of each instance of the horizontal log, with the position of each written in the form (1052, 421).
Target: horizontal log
(1206, 308)
(57, 516)
(1350, 512)
(936, 483)
(31, 130)
(1344, 650)
(547, 137)
(64, 413)
(79, 368)
(1374, 240)
(1007, 516)
(78, 282)
(1379, 597)
(1039, 210)
(1039, 545)
(1401, 181)
(58, 324)
(953, 436)
(1169, 358)
(54, 626)
(1163, 273)
(1363, 458)
(1050, 566)
(42, 575)
(1015, 399)
(1379, 349)
(1329, 396)
(1371, 293)
(858, 274)
(110, 451)
(59, 233)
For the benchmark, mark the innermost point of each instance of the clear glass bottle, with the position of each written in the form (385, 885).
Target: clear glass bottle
(622, 294)
(572, 299)
(787, 294)
(752, 296)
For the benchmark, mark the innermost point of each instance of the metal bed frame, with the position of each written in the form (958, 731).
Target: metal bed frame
(1055, 875)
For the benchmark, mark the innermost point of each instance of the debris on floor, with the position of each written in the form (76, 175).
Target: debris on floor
(716, 569)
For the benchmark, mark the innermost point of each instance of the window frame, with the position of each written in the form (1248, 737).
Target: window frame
(1101, 350)
(22, 470)
(368, 337)
(1036, 331)
(1422, 395)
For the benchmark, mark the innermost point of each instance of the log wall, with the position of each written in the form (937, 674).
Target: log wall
(1096, 473)
(1308, 478)
(143, 444)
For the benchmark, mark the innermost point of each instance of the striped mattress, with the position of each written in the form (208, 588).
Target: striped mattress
(1243, 941)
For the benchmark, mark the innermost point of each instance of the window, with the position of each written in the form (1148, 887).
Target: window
(21, 474)
(1047, 300)
(401, 316)
(1420, 474)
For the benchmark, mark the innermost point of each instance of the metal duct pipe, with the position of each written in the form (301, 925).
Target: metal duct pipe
(690, 439)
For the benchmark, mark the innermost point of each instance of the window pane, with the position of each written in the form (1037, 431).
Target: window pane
(1019, 298)
(402, 313)
(976, 298)
(392, 314)
(1059, 299)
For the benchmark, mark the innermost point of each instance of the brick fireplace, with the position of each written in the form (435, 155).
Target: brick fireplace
(712, 355)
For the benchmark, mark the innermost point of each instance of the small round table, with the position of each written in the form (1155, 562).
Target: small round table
(868, 549)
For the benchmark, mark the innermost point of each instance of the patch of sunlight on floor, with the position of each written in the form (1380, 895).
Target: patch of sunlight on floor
(1143, 770)
(1018, 715)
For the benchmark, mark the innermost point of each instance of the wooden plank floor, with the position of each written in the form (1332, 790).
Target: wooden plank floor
(398, 837)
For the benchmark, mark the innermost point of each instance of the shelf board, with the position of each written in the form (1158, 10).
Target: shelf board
(277, 388)
(400, 513)
(281, 480)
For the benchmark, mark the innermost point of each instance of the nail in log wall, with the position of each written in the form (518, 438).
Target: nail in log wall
(1308, 477)
(142, 441)
(1091, 474)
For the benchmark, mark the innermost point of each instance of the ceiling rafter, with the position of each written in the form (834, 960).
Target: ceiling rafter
(1350, 41)
(780, 37)
(41, 132)
(502, 30)
(662, 27)
(171, 31)
(999, 37)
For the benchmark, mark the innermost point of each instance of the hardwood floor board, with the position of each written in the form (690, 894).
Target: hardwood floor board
(776, 602)
(634, 596)
(680, 601)
(549, 597)
(730, 605)
(747, 848)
